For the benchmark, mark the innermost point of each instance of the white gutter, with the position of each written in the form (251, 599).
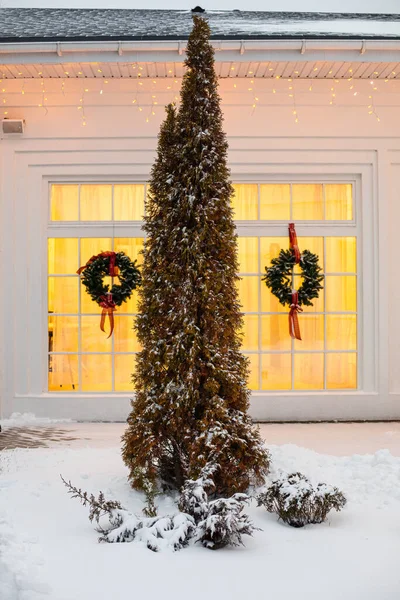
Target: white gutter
(226, 50)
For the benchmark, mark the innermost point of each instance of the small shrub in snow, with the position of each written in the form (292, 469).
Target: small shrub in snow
(194, 495)
(215, 523)
(150, 510)
(220, 522)
(298, 503)
(225, 523)
(115, 524)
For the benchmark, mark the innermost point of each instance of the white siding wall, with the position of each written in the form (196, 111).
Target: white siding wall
(118, 143)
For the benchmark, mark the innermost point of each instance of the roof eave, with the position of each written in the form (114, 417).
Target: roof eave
(242, 49)
(162, 38)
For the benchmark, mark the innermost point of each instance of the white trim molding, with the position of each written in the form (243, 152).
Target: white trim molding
(31, 165)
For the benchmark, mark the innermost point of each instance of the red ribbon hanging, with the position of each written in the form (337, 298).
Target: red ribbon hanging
(294, 327)
(113, 270)
(108, 305)
(293, 244)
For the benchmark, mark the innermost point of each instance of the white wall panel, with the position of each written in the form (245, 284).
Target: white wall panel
(118, 143)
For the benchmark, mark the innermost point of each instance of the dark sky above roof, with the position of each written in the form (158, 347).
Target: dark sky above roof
(25, 24)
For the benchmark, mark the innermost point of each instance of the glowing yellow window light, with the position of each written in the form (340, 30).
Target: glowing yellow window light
(325, 359)
(64, 202)
(245, 202)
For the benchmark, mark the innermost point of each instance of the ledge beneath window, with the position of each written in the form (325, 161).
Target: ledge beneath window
(325, 406)
(296, 406)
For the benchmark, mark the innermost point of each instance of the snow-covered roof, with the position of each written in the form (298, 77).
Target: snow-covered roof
(33, 24)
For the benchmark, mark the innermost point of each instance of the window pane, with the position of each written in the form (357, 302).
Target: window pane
(87, 304)
(269, 303)
(93, 246)
(307, 200)
(63, 294)
(317, 303)
(131, 246)
(275, 201)
(275, 333)
(96, 202)
(125, 339)
(63, 256)
(124, 365)
(131, 306)
(254, 371)
(250, 333)
(63, 334)
(338, 201)
(308, 371)
(270, 248)
(341, 293)
(312, 333)
(96, 372)
(341, 332)
(248, 255)
(341, 371)
(64, 203)
(92, 338)
(341, 255)
(128, 202)
(276, 371)
(63, 373)
(245, 201)
(248, 293)
(314, 245)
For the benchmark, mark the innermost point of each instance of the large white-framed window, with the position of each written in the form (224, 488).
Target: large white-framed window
(84, 220)
(87, 218)
(325, 213)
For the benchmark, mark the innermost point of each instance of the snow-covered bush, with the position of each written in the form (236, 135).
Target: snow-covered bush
(225, 523)
(115, 524)
(216, 523)
(220, 522)
(157, 533)
(297, 502)
(194, 495)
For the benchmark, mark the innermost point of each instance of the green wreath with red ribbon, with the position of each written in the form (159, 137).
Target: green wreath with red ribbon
(112, 264)
(279, 279)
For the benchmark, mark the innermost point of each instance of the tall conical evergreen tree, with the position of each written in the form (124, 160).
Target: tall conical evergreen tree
(191, 400)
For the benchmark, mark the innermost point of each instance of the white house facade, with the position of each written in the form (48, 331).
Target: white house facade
(313, 127)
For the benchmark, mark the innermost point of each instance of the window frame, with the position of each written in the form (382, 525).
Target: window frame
(88, 229)
(307, 228)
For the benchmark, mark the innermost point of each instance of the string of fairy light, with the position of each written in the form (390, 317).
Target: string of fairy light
(146, 95)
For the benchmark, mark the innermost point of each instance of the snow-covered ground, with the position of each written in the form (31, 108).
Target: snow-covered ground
(49, 550)
(29, 419)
